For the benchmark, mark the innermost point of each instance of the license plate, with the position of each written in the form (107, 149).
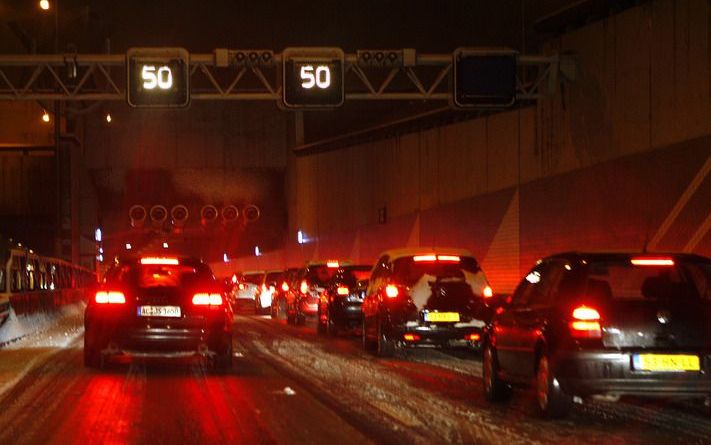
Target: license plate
(451, 317)
(159, 311)
(666, 362)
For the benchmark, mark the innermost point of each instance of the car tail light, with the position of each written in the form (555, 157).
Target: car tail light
(411, 337)
(449, 258)
(234, 279)
(332, 264)
(423, 258)
(163, 261)
(110, 297)
(304, 287)
(652, 261)
(472, 337)
(241, 286)
(391, 291)
(585, 323)
(207, 299)
(488, 292)
(285, 286)
(342, 290)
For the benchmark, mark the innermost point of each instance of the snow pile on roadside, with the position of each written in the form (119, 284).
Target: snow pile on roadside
(30, 328)
(369, 388)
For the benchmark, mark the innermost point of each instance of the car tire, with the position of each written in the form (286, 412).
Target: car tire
(321, 327)
(365, 341)
(385, 346)
(300, 319)
(92, 356)
(552, 402)
(495, 389)
(223, 362)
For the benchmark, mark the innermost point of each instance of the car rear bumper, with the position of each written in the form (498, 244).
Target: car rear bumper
(437, 336)
(611, 373)
(347, 313)
(159, 337)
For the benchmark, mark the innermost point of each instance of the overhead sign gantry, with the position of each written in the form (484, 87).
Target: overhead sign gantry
(297, 78)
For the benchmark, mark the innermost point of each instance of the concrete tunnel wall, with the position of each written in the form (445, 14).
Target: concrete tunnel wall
(617, 158)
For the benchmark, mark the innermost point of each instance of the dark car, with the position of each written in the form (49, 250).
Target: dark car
(425, 297)
(339, 307)
(282, 286)
(158, 306)
(310, 283)
(610, 325)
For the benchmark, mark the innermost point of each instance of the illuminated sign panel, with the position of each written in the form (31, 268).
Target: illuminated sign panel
(158, 77)
(312, 77)
(484, 78)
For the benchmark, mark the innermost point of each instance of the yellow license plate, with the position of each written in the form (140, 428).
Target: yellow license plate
(666, 362)
(442, 316)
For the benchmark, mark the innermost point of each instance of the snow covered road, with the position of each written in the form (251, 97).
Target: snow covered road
(289, 385)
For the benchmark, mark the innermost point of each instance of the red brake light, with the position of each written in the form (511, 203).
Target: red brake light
(421, 258)
(411, 337)
(110, 297)
(285, 286)
(586, 323)
(234, 279)
(241, 286)
(449, 258)
(585, 313)
(304, 287)
(472, 337)
(342, 290)
(652, 261)
(391, 291)
(160, 260)
(207, 299)
(488, 292)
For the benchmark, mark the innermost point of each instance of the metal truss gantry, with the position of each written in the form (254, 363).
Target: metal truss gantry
(234, 75)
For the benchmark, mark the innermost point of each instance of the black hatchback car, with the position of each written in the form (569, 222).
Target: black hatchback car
(158, 306)
(609, 325)
(425, 298)
(339, 307)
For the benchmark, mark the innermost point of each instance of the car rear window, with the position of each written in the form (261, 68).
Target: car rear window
(157, 275)
(320, 275)
(619, 279)
(165, 276)
(274, 277)
(407, 271)
(351, 276)
(254, 278)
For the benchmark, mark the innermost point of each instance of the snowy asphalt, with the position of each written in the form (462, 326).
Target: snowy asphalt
(289, 385)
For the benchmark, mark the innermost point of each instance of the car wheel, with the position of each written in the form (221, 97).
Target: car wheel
(386, 346)
(92, 356)
(331, 327)
(321, 326)
(223, 361)
(300, 319)
(495, 389)
(365, 341)
(552, 402)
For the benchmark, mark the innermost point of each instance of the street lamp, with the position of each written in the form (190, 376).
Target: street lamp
(44, 5)
(45, 117)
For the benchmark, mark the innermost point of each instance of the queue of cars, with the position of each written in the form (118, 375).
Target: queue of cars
(579, 325)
